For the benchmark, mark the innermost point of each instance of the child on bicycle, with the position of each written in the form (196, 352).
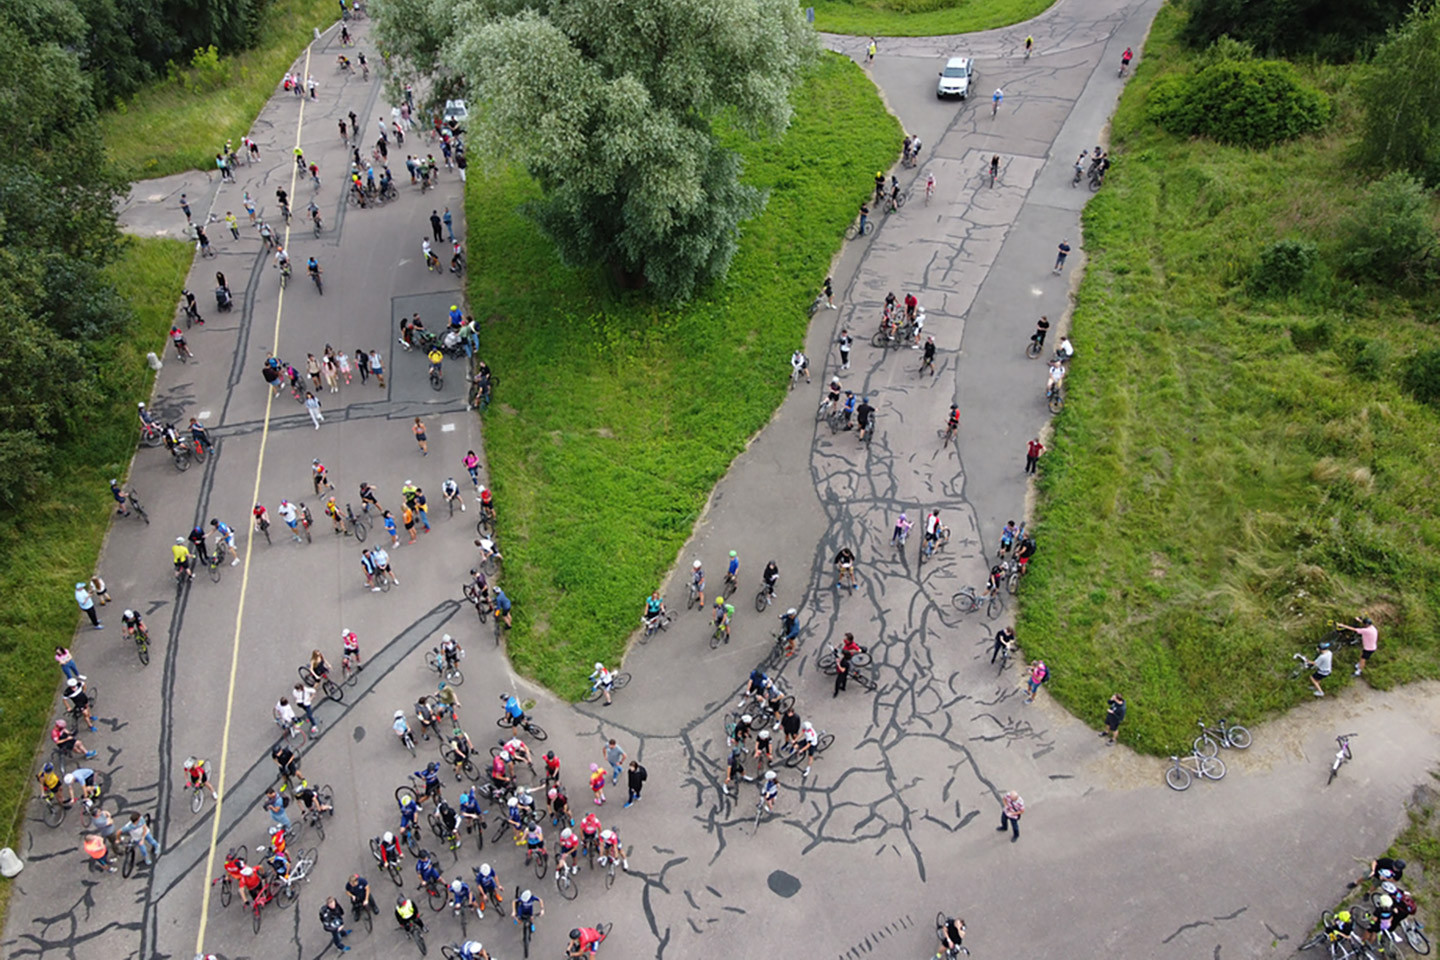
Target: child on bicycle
(197, 774)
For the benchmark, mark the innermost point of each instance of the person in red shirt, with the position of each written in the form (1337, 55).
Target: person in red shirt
(552, 768)
(1032, 453)
(910, 304)
(584, 940)
(249, 883)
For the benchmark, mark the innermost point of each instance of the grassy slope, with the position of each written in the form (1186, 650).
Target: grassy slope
(1214, 491)
(615, 418)
(899, 18)
(166, 128)
(55, 542)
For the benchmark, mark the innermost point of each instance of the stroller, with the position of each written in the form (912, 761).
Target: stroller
(223, 300)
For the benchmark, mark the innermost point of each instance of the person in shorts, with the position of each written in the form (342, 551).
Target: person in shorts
(1114, 714)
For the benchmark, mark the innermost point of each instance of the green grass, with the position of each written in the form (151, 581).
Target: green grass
(1226, 477)
(920, 18)
(55, 541)
(181, 123)
(615, 418)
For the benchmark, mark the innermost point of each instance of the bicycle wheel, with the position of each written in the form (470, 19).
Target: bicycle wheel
(142, 650)
(762, 600)
(182, 461)
(197, 799)
(1012, 584)
(199, 453)
(1334, 769)
(449, 952)
(1413, 936)
(1212, 767)
(995, 607)
(255, 906)
(394, 871)
(1056, 400)
(965, 600)
(852, 231)
(864, 677)
(535, 730)
(565, 884)
(1032, 349)
(1206, 745)
(359, 529)
(54, 812)
(1177, 778)
(227, 891)
(542, 865)
(900, 200)
(715, 637)
(455, 677)
(384, 583)
(610, 875)
(1239, 737)
(437, 382)
(367, 917)
(127, 866)
(619, 681)
(690, 598)
(823, 744)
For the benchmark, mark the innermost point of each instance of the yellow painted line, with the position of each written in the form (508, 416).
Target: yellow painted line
(244, 586)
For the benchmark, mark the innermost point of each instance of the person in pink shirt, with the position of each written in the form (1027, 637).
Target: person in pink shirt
(1039, 673)
(1369, 640)
(1011, 808)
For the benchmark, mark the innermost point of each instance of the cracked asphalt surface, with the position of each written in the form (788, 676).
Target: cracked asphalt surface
(898, 819)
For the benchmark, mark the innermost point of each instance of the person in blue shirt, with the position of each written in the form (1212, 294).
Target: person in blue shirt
(470, 813)
(460, 895)
(409, 813)
(429, 870)
(489, 886)
(790, 630)
(502, 605)
(456, 318)
(527, 907)
(733, 571)
(431, 776)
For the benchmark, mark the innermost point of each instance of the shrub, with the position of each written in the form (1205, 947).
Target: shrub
(1422, 376)
(1338, 30)
(1367, 357)
(1390, 234)
(1251, 103)
(1400, 93)
(1282, 267)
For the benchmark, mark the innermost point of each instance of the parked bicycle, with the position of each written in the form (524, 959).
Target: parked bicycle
(1225, 735)
(967, 600)
(1342, 755)
(1179, 775)
(651, 624)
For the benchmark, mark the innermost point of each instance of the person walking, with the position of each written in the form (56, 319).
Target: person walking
(312, 407)
(233, 224)
(870, 52)
(1062, 253)
(419, 430)
(1011, 809)
(1114, 714)
(362, 365)
(332, 919)
(635, 781)
(616, 758)
(845, 341)
(275, 806)
(1033, 450)
(1039, 673)
(185, 205)
(87, 604)
(377, 368)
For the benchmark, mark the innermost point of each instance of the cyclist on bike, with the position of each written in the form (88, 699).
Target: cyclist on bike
(769, 577)
(429, 871)
(995, 99)
(50, 784)
(471, 949)
(181, 555)
(994, 167)
(722, 617)
(451, 492)
(513, 709)
(312, 266)
(450, 651)
(992, 582)
(611, 849)
(932, 527)
(569, 851)
(131, 623)
(488, 885)
(470, 813)
(436, 359)
(929, 184)
(431, 777)
(559, 802)
(426, 715)
(697, 580)
(197, 774)
(789, 630)
(406, 914)
(527, 907)
(1057, 374)
(879, 186)
(390, 851)
(67, 742)
(799, 365)
(224, 534)
(763, 748)
(805, 747)
(431, 261)
(952, 422)
(769, 790)
(732, 572)
(1125, 59)
(584, 940)
(358, 890)
(952, 935)
(409, 813)
(602, 679)
(902, 528)
(534, 841)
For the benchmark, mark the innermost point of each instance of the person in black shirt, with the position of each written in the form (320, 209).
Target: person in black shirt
(790, 726)
(842, 672)
(358, 890)
(845, 567)
(863, 415)
(1005, 638)
(928, 358)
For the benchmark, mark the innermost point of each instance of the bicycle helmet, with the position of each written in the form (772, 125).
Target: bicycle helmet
(791, 612)
(1325, 646)
(607, 835)
(445, 638)
(455, 885)
(432, 766)
(48, 768)
(575, 934)
(512, 802)
(399, 714)
(69, 778)
(72, 683)
(316, 461)
(276, 829)
(485, 870)
(733, 554)
(128, 615)
(746, 719)
(879, 174)
(770, 775)
(1384, 902)
(526, 896)
(189, 762)
(179, 540)
(247, 871)
(599, 666)
(553, 793)
(696, 565)
(407, 800)
(502, 696)
(473, 947)
(1387, 886)
(566, 834)
(764, 733)
(401, 900)
(594, 767)
(505, 755)
(61, 724)
(1366, 621)
(806, 726)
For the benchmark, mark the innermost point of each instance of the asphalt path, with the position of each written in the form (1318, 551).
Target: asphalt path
(897, 820)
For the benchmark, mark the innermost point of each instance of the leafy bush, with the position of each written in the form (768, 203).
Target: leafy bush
(1251, 103)
(1422, 376)
(1367, 357)
(1282, 267)
(1390, 234)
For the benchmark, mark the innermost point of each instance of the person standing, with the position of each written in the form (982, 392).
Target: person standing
(233, 224)
(332, 918)
(377, 368)
(138, 830)
(419, 430)
(312, 407)
(67, 663)
(1061, 254)
(449, 222)
(1039, 673)
(636, 781)
(870, 52)
(1369, 641)
(1032, 453)
(845, 342)
(304, 696)
(275, 806)
(185, 205)
(1011, 809)
(435, 224)
(842, 673)
(87, 604)
(1114, 714)
(616, 758)
(362, 364)
(927, 359)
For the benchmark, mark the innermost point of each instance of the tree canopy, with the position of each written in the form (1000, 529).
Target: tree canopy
(1330, 29)
(611, 108)
(1400, 91)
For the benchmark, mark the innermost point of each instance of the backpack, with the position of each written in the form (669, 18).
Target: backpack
(1046, 678)
(640, 774)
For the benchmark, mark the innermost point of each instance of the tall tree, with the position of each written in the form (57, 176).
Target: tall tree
(611, 108)
(1401, 93)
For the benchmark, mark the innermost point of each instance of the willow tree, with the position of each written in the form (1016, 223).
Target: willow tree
(611, 107)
